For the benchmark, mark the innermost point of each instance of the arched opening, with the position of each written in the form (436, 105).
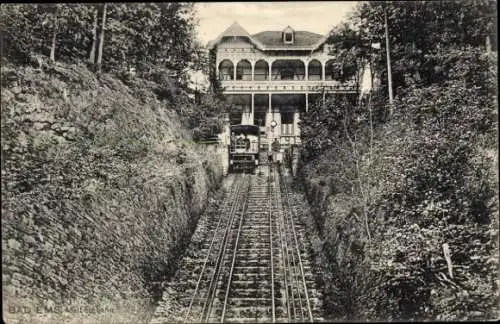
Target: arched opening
(261, 71)
(244, 70)
(314, 70)
(226, 70)
(333, 70)
(288, 70)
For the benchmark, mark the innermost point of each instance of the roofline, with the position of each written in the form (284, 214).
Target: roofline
(252, 40)
(262, 47)
(302, 48)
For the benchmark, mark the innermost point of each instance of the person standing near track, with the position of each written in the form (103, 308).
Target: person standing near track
(275, 146)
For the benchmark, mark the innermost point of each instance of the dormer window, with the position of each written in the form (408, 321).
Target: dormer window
(288, 35)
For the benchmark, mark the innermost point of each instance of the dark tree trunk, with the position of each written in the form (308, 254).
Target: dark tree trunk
(54, 36)
(101, 41)
(94, 39)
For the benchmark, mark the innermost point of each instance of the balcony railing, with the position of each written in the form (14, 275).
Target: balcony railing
(289, 85)
(287, 140)
(287, 130)
(284, 77)
(244, 76)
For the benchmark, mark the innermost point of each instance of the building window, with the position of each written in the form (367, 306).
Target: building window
(288, 35)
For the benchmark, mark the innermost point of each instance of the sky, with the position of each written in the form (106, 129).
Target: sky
(314, 16)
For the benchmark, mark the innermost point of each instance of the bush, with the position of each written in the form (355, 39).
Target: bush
(403, 189)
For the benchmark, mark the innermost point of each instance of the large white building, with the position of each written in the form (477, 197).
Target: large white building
(272, 77)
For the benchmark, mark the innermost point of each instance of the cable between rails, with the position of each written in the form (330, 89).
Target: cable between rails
(287, 199)
(273, 306)
(235, 249)
(284, 251)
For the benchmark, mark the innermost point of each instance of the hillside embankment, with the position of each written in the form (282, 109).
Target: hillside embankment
(408, 228)
(101, 188)
(405, 197)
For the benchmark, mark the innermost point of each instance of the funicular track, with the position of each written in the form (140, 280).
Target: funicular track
(254, 267)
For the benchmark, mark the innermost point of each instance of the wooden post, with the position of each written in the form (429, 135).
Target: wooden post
(307, 102)
(252, 110)
(488, 45)
(306, 77)
(270, 102)
(447, 256)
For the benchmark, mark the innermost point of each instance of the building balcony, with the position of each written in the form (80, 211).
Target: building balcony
(298, 86)
(286, 75)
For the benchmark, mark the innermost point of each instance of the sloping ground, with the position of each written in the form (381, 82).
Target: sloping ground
(401, 272)
(408, 221)
(101, 186)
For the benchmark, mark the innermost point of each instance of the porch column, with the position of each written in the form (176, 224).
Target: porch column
(306, 77)
(296, 119)
(270, 111)
(253, 74)
(270, 119)
(270, 75)
(307, 102)
(252, 110)
(323, 71)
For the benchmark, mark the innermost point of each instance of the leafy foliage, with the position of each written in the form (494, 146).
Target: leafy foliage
(388, 194)
(420, 30)
(143, 36)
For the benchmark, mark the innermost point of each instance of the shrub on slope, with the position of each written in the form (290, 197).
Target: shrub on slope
(390, 207)
(100, 182)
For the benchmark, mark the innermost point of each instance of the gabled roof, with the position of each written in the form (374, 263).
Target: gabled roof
(273, 40)
(235, 30)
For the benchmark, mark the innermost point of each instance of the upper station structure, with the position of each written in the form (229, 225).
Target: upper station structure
(272, 77)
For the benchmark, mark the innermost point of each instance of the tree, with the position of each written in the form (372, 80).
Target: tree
(94, 38)
(415, 182)
(148, 37)
(101, 40)
(421, 28)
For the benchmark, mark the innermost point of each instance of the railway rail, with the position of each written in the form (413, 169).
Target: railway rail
(254, 264)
